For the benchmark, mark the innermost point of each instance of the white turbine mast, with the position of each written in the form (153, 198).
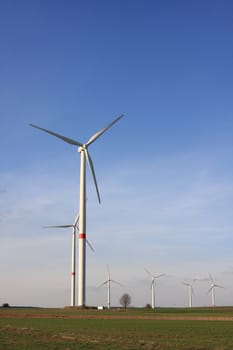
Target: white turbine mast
(190, 291)
(73, 255)
(213, 285)
(84, 156)
(108, 282)
(153, 278)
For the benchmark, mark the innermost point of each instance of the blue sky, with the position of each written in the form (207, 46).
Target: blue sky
(164, 171)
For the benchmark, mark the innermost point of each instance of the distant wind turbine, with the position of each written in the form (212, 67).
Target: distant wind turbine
(108, 282)
(73, 259)
(212, 289)
(84, 156)
(190, 291)
(153, 278)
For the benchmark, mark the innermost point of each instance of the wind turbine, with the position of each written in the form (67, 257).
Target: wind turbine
(153, 278)
(108, 282)
(212, 289)
(73, 258)
(84, 156)
(190, 291)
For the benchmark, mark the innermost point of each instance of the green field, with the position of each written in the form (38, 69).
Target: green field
(162, 329)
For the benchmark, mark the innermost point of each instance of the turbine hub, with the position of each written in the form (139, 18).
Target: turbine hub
(82, 148)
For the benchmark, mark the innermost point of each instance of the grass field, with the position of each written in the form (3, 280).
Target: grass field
(162, 329)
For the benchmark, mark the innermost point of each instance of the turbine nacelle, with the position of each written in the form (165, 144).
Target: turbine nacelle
(82, 148)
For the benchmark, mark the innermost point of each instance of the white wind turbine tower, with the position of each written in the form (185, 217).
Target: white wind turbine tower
(108, 282)
(212, 289)
(73, 256)
(153, 278)
(190, 292)
(84, 156)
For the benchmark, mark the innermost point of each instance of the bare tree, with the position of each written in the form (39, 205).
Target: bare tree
(125, 300)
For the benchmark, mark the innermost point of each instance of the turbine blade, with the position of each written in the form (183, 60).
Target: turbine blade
(147, 271)
(108, 271)
(76, 220)
(186, 284)
(90, 246)
(99, 133)
(59, 226)
(117, 283)
(103, 284)
(218, 286)
(91, 166)
(157, 276)
(64, 138)
(211, 278)
(203, 279)
(210, 289)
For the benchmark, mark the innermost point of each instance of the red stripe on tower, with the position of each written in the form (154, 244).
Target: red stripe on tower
(73, 274)
(82, 235)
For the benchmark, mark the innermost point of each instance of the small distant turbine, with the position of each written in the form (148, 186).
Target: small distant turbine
(212, 290)
(84, 157)
(190, 291)
(108, 282)
(73, 259)
(153, 278)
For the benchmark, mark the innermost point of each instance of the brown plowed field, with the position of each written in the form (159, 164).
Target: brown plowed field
(116, 317)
